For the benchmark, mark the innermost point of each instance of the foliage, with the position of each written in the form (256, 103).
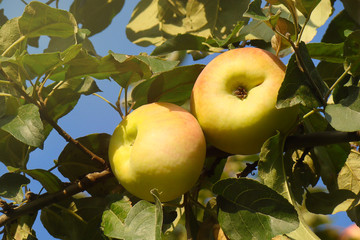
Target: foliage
(36, 90)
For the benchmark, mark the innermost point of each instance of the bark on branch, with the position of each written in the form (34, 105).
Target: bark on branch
(47, 199)
(320, 139)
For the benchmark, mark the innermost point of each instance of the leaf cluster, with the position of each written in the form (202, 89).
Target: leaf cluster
(274, 194)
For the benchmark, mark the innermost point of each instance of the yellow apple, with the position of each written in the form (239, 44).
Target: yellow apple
(234, 100)
(157, 146)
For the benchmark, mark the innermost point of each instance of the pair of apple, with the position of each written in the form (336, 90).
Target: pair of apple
(162, 146)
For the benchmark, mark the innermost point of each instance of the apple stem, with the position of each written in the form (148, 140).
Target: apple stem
(241, 93)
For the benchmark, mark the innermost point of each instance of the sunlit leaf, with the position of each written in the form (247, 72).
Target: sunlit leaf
(153, 22)
(348, 107)
(142, 221)
(256, 12)
(349, 176)
(114, 217)
(40, 19)
(306, 6)
(21, 228)
(9, 33)
(39, 64)
(95, 15)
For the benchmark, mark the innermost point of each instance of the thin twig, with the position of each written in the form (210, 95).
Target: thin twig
(118, 103)
(337, 82)
(302, 31)
(107, 101)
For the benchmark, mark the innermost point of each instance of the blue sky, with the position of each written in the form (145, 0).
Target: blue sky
(93, 115)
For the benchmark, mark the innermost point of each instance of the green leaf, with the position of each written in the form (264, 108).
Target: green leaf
(352, 52)
(181, 42)
(329, 203)
(326, 51)
(279, 168)
(13, 152)
(154, 22)
(65, 97)
(21, 228)
(330, 72)
(303, 232)
(295, 89)
(48, 180)
(39, 64)
(143, 221)
(86, 65)
(318, 17)
(192, 42)
(74, 218)
(349, 107)
(26, 126)
(243, 201)
(11, 186)
(9, 33)
(339, 27)
(272, 169)
(352, 8)
(40, 19)
(306, 6)
(74, 163)
(348, 178)
(330, 158)
(95, 15)
(171, 86)
(3, 18)
(255, 11)
(58, 44)
(114, 217)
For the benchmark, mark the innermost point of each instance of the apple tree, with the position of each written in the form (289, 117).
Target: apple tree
(284, 192)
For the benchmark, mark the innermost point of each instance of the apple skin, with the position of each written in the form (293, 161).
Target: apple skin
(234, 125)
(158, 145)
(352, 232)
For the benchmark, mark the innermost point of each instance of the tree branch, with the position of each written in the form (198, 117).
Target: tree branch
(47, 199)
(320, 139)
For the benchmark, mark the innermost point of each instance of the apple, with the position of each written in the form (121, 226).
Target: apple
(352, 232)
(234, 100)
(157, 146)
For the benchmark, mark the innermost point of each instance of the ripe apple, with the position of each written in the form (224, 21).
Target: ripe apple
(157, 146)
(352, 232)
(234, 100)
